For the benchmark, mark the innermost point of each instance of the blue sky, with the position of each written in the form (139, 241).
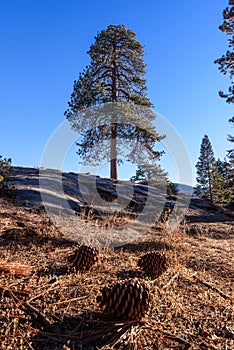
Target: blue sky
(43, 49)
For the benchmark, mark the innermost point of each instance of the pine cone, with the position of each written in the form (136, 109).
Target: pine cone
(127, 300)
(154, 264)
(83, 258)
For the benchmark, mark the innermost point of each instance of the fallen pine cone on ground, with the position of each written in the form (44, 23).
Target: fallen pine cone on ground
(83, 258)
(154, 264)
(127, 300)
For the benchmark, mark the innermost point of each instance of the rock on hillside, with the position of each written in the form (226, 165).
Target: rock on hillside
(68, 196)
(37, 187)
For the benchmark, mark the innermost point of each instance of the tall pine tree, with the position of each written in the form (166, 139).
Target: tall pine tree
(226, 62)
(222, 185)
(115, 74)
(231, 177)
(207, 171)
(226, 66)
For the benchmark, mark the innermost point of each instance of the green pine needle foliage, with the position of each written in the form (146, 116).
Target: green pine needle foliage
(115, 74)
(226, 66)
(6, 190)
(226, 62)
(207, 171)
(214, 179)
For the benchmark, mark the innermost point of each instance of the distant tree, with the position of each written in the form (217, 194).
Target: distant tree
(139, 176)
(226, 62)
(207, 172)
(5, 173)
(5, 168)
(172, 190)
(230, 178)
(155, 177)
(221, 189)
(115, 74)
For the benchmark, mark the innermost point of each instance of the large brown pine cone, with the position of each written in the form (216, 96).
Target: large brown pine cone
(127, 300)
(83, 258)
(154, 264)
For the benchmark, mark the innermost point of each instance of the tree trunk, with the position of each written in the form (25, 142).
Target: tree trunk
(210, 187)
(113, 152)
(114, 125)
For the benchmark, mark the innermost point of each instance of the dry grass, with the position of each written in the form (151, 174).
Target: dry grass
(55, 308)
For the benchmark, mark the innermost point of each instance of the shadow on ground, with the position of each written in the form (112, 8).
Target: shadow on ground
(29, 237)
(85, 331)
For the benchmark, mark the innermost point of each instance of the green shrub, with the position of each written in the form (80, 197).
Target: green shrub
(6, 190)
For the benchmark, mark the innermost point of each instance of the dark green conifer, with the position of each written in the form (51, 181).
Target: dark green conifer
(116, 73)
(207, 171)
(226, 66)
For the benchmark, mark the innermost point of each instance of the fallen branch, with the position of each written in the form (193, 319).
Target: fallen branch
(207, 284)
(71, 300)
(15, 268)
(171, 280)
(173, 338)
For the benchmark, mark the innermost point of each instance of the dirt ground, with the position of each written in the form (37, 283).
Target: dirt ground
(47, 305)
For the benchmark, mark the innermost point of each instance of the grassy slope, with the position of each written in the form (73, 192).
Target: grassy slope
(46, 306)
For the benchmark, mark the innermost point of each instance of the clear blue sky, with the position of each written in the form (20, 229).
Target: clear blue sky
(43, 49)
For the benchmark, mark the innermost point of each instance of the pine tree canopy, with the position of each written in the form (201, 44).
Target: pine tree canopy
(115, 75)
(226, 66)
(116, 71)
(226, 62)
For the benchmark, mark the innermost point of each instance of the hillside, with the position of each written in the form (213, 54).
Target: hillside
(47, 304)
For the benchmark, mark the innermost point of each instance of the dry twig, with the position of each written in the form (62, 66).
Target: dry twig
(45, 292)
(205, 283)
(170, 281)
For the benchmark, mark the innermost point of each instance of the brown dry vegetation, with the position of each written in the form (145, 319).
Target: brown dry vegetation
(46, 305)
